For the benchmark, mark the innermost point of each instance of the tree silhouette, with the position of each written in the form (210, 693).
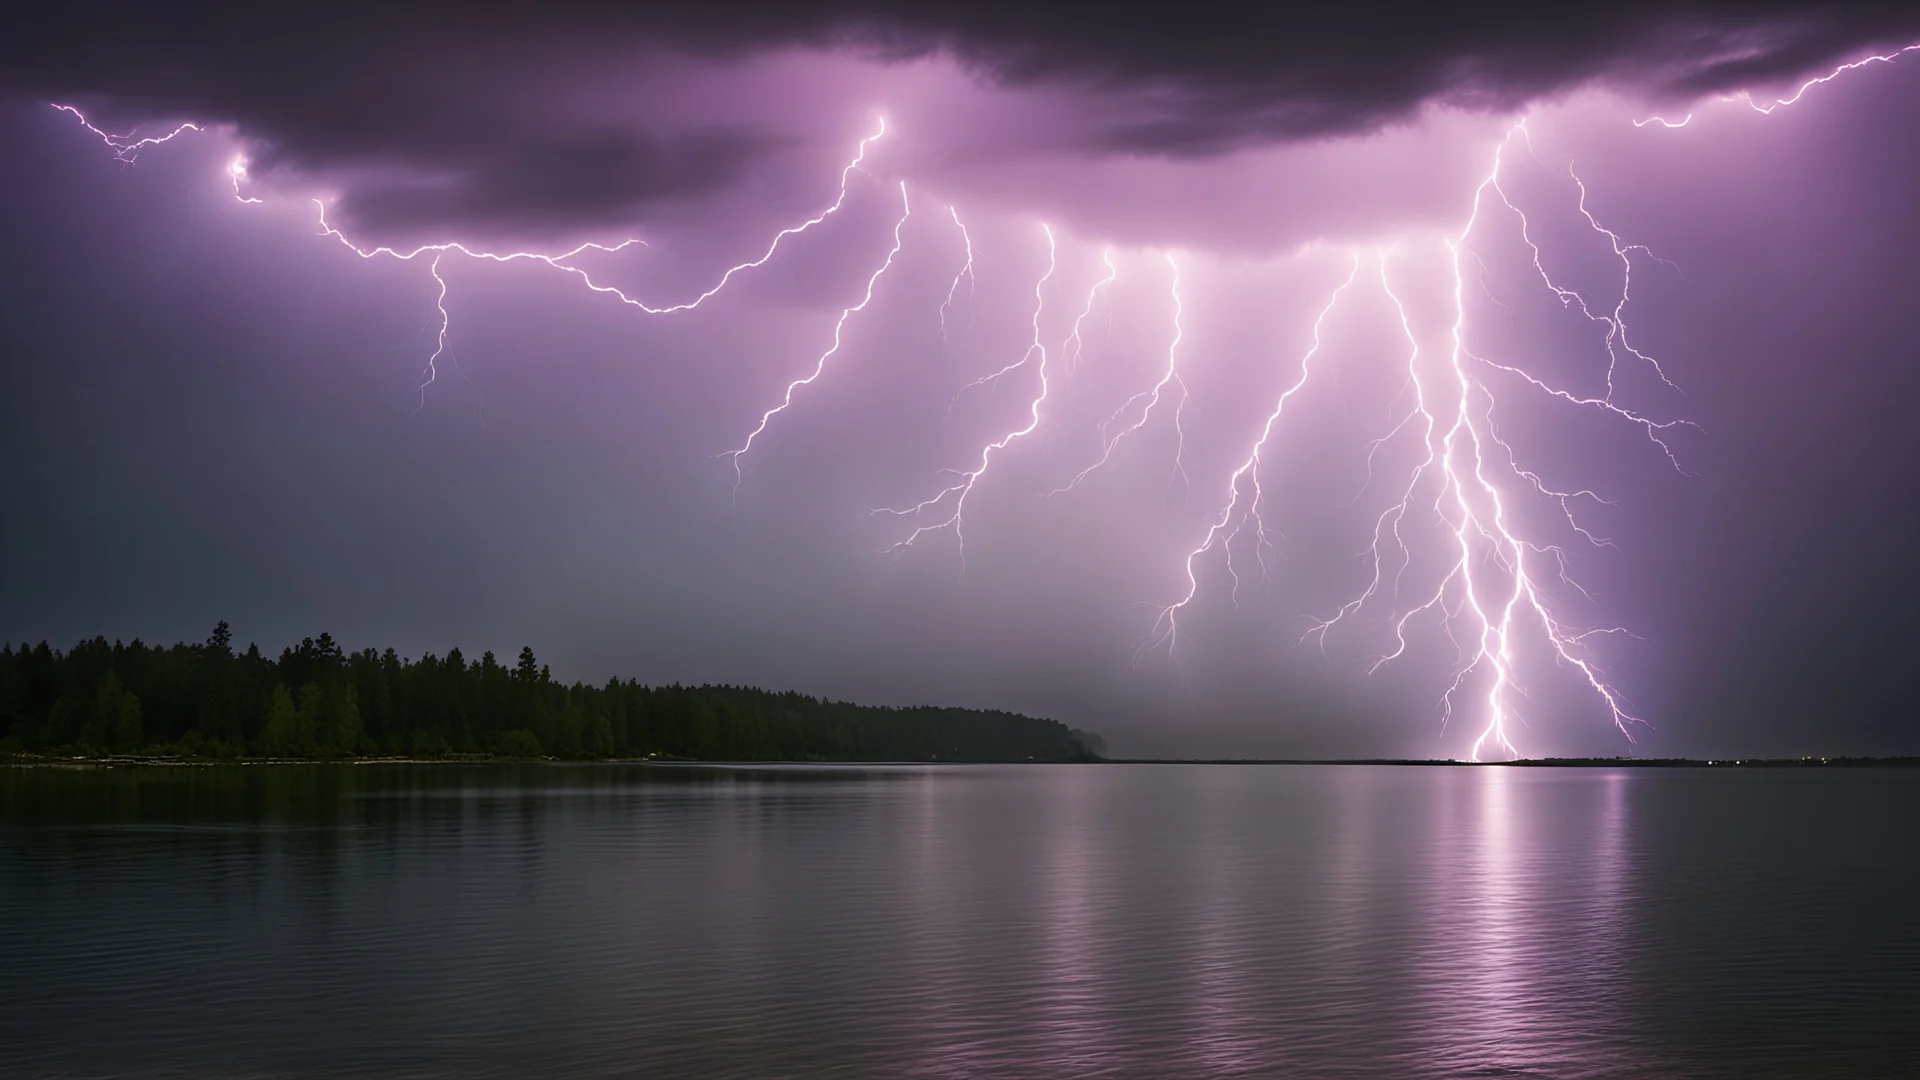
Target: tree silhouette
(316, 700)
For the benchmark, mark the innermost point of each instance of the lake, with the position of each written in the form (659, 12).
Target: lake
(1144, 921)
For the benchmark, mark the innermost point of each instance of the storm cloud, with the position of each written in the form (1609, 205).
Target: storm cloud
(575, 115)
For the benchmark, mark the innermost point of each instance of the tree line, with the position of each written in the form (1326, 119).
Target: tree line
(318, 701)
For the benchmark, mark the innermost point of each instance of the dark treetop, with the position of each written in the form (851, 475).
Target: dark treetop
(317, 701)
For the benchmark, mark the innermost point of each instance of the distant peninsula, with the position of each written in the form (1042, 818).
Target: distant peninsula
(316, 701)
(1554, 763)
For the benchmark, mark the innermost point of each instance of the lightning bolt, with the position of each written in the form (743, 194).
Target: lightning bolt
(1492, 586)
(1493, 589)
(1793, 98)
(440, 342)
(1166, 625)
(963, 486)
(562, 261)
(1071, 348)
(1508, 550)
(966, 271)
(839, 327)
(441, 348)
(1495, 643)
(237, 171)
(840, 200)
(1615, 323)
(1152, 396)
(126, 149)
(1391, 518)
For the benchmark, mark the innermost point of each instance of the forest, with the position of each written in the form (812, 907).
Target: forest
(317, 701)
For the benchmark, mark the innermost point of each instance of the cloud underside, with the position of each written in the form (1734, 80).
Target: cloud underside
(444, 112)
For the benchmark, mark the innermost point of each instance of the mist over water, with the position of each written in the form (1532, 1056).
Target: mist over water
(1048, 921)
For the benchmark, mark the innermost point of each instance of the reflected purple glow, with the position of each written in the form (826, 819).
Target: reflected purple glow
(1134, 922)
(1494, 992)
(1075, 1015)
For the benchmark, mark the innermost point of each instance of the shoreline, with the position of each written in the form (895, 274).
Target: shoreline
(156, 761)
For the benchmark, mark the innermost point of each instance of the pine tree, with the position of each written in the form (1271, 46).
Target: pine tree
(277, 739)
(346, 730)
(128, 732)
(306, 721)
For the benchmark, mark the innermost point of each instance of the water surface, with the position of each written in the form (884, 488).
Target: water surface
(1143, 921)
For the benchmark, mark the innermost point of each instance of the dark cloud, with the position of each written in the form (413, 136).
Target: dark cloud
(482, 107)
(475, 110)
(539, 184)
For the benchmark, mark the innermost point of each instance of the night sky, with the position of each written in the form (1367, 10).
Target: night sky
(209, 410)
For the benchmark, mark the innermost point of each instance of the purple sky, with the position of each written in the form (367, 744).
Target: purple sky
(212, 412)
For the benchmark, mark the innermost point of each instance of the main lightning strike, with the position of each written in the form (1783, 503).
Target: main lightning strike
(839, 327)
(1473, 507)
(963, 487)
(1492, 586)
(1510, 551)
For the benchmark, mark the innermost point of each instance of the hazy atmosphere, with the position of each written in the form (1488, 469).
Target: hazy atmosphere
(213, 409)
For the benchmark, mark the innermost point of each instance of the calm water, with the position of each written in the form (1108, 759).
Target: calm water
(1047, 921)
